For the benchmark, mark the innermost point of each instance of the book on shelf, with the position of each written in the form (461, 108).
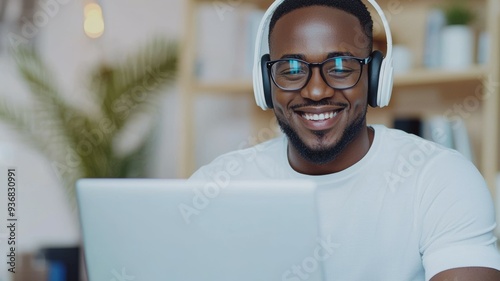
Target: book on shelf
(434, 24)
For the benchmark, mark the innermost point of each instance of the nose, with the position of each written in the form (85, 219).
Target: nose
(317, 89)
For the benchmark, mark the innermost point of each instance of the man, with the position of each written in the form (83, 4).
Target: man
(398, 207)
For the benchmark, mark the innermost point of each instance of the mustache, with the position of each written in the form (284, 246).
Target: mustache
(318, 103)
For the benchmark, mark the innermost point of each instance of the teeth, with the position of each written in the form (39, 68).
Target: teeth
(319, 117)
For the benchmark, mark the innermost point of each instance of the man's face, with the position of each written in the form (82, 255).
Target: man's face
(314, 34)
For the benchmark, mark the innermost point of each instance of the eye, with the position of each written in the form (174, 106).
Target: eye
(292, 72)
(337, 72)
(341, 67)
(291, 69)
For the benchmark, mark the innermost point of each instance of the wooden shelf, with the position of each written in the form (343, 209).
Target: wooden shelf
(425, 77)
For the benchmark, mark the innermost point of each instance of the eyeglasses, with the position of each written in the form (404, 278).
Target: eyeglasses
(338, 72)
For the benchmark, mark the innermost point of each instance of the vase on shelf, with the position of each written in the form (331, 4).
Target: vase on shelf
(457, 47)
(457, 37)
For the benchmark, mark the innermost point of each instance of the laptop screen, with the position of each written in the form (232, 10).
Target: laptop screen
(183, 230)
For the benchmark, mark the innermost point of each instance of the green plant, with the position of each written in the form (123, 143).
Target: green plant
(458, 13)
(82, 142)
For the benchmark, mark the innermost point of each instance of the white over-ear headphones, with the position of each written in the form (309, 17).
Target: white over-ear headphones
(380, 68)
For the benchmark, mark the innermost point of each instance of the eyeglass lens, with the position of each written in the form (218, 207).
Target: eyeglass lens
(338, 73)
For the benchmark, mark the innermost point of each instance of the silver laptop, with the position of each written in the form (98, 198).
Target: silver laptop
(147, 230)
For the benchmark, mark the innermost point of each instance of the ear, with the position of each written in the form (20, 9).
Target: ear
(374, 77)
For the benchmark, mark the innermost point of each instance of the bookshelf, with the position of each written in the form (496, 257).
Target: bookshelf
(446, 87)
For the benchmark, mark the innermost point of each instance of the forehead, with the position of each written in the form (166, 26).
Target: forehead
(316, 31)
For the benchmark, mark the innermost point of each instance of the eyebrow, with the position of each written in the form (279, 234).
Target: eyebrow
(303, 57)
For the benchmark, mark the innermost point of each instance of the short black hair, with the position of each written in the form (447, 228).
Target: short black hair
(354, 7)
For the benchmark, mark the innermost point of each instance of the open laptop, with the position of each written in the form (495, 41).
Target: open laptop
(150, 229)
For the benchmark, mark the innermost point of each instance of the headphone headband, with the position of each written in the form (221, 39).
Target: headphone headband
(262, 48)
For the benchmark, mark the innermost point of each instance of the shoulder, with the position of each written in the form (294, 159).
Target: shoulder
(410, 162)
(430, 158)
(241, 162)
(412, 154)
(408, 143)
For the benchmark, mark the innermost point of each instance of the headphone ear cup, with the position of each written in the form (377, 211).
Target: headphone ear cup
(266, 80)
(374, 78)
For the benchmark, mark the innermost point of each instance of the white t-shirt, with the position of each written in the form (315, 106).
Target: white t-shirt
(406, 211)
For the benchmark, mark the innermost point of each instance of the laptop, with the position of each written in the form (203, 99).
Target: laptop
(157, 229)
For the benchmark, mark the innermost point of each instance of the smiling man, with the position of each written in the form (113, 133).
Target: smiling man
(398, 207)
(321, 107)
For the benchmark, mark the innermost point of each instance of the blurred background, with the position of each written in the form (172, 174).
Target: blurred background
(159, 88)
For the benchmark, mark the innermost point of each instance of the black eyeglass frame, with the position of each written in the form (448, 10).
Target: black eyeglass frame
(362, 61)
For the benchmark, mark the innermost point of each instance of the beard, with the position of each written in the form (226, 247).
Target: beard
(323, 154)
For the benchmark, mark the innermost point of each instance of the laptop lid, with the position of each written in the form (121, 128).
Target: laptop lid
(145, 229)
